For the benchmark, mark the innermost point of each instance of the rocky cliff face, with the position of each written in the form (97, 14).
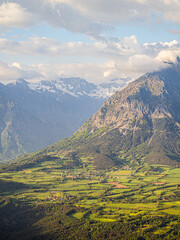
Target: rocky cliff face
(143, 119)
(152, 96)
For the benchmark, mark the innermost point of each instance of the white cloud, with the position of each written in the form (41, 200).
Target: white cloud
(106, 11)
(169, 55)
(14, 71)
(13, 15)
(20, 13)
(90, 17)
(90, 71)
(116, 12)
(123, 58)
(27, 72)
(8, 73)
(119, 49)
(119, 57)
(43, 46)
(144, 63)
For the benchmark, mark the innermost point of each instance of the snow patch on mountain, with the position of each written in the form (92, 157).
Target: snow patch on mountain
(79, 87)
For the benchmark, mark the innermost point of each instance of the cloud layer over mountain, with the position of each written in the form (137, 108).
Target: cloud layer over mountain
(122, 58)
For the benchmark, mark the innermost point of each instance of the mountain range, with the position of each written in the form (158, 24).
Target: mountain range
(34, 115)
(137, 125)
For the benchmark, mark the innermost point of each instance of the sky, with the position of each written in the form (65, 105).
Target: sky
(98, 40)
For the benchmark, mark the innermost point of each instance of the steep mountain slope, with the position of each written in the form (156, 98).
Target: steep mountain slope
(144, 117)
(138, 124)
(35, 115)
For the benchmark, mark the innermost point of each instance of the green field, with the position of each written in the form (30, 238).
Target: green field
(140, 198)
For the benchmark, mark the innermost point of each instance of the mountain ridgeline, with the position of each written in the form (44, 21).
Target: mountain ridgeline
(35, 115)
(139, 124)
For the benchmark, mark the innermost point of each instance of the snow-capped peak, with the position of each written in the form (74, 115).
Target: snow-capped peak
(75, 87)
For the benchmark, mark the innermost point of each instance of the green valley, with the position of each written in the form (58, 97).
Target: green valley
(48, 201)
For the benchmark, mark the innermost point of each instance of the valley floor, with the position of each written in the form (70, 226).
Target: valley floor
(48, 202)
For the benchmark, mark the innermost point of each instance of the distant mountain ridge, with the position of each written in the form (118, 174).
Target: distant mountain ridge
(35, 115)
(139, 124)
(78, 87)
